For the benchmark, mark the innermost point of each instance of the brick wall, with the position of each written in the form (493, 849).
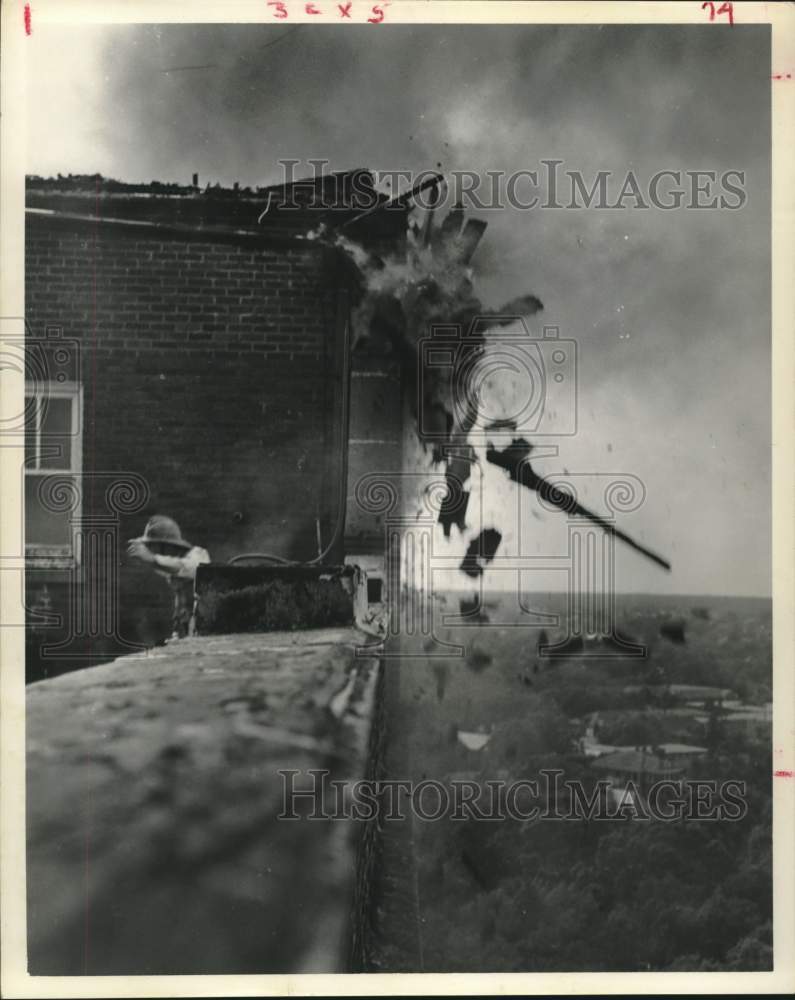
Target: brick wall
(209, 369)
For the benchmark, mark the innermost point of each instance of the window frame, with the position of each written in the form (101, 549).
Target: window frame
(38, 555)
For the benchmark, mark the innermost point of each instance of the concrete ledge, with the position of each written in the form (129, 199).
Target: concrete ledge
(152, 801)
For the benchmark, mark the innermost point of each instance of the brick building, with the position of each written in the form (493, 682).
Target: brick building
(188, 352)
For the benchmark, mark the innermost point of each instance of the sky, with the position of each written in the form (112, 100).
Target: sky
(670, 310)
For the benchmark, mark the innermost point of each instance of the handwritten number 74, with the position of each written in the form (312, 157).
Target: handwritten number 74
(725, 8)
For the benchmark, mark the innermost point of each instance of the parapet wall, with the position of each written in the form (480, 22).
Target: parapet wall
(153, 797)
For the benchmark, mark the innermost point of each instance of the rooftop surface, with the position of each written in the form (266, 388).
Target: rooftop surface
(153, 795)
(633, 762)
(299, 207)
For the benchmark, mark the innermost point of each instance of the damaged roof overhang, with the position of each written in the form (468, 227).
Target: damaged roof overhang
(280, 214)
(187, 233)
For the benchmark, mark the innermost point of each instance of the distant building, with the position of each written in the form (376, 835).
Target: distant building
(693, 695)
(590, 746)
(593, 748)
(752, 721)
(640, 766)
(681, 753)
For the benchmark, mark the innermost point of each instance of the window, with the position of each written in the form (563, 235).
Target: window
(52, 471)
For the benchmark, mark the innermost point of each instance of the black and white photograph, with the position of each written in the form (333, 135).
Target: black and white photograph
(397, 496)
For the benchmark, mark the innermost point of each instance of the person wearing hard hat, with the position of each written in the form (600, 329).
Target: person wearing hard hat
(167, 552)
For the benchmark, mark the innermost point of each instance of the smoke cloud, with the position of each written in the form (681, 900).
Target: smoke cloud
(670, 310)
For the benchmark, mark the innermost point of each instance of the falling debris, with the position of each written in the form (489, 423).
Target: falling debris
(477, 660)
(514, 460)
(481, 551)
(454, 506)
(441, 672)
(460, 463)
(525, 305)
(543, 641)
(453, 509)
(446, 235)
(471, 608)
(674, 631)
(469, 605)
(402, 298)
(470, 237)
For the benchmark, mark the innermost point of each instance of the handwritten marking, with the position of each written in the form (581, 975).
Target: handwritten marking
(781, 76)
(281, 10)
(28, 28)
(378, 13)
(725, 8)
(783, 774)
